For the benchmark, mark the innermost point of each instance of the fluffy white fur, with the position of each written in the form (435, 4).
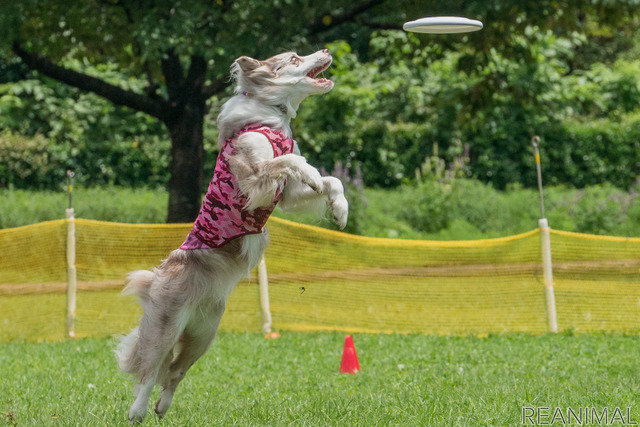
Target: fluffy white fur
(184, 298)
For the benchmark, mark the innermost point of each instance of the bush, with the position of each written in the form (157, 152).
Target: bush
(487, 209)
(427, 206)
(590, 153)
(64, 128)
(28, 162)
(472, 210)
(600, 209)
(36, 163)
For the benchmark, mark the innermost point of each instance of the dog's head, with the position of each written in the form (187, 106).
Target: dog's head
(284, 78)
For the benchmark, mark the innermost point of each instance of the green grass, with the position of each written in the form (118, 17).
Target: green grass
(139, 206)
(409, 380)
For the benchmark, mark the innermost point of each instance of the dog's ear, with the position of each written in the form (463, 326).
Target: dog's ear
(247, 64)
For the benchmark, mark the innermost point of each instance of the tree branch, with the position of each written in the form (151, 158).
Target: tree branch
(153, 106)
(215, 87)
(318, 26)
(380, 26)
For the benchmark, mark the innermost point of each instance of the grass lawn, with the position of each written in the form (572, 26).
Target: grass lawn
(294, 380)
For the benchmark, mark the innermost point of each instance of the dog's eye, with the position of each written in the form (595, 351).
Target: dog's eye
(295, 60)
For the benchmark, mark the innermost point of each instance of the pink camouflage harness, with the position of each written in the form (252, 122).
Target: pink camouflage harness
(222, 216)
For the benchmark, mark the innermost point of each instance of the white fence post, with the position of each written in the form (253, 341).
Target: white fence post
(71, 273)
(545, 241)
(264, 296)
(71, 263)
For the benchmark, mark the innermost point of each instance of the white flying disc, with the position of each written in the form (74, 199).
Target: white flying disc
(443, 25)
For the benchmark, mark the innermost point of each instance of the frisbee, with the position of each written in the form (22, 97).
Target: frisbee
(443, 25)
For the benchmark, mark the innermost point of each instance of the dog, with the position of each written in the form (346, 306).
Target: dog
(258, 166)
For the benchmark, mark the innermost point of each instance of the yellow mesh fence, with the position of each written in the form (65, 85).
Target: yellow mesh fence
(325, 280)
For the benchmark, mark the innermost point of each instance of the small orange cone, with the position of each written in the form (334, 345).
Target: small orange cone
(349, 363)
(272, 335)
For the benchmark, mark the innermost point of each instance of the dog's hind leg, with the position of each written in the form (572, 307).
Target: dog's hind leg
(138, 410)
(193, 343)
(158, 334)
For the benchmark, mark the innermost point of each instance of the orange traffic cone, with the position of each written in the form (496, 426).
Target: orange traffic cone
(272, 335)
(349, 363)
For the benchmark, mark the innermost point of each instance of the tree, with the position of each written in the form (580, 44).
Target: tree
(184, 49)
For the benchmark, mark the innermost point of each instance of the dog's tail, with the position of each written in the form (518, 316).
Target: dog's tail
(138, 283)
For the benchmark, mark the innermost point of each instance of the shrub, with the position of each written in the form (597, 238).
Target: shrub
(28, 162)
(36, 163)
(590, 153)
(64, 128)
(427, 206)
(600, 209)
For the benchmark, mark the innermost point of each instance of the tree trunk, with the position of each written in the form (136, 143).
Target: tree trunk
(187, 162)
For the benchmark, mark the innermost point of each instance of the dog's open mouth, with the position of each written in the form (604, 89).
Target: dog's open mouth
(313, 74)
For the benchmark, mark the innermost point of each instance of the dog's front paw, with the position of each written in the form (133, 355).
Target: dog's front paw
(300, 170)
(340, 210)
(310, 176)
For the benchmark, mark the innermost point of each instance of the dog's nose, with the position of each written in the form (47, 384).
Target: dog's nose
(325, 51)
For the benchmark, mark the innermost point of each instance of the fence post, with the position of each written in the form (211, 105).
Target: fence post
(71, 261)
(548, 275)
(545, 240)
(264, 296)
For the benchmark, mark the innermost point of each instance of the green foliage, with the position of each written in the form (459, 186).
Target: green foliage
(138, 36)
(458, 209)
(427, 207)
(386, 115)
(605, 90)
(599, 139)
(587, 153)
(468, 209)
(26, 161)
(63, 128)
(600, 209)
